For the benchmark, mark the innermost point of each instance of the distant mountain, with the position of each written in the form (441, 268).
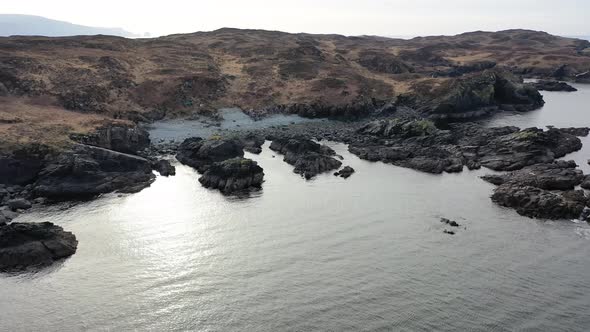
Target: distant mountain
(26, 25)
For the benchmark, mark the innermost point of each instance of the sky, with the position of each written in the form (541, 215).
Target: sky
(347, 17)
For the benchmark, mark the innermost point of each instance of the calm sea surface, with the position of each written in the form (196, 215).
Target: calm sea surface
(367, 253)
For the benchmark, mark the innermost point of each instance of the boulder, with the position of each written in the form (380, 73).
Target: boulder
(308, 157)
(345, 172)
(233, 175)
(200, 154)
(25, 245)
(163, 167)
(87, 171)
(19, 204)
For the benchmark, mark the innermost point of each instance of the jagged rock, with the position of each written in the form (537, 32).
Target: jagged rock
(580, 131)
(449, 232)
(120, 138)
(200, 154)
(252, 143)
(345, 172)
(476, 95)
(87, 171)
(586, 183)
(539, 203)
(23, 165)
(308, 157)
(560, 175)
(163, 167)
(19, 204)
(420, 145)
(233, 175)
(24, 245)
(553, 86)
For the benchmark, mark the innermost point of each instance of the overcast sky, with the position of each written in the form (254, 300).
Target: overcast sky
(349, 17)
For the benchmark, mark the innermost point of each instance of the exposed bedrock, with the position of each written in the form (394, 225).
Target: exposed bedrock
(86, 171)
(475, 95)
(233, 175)
(200, 154)
(308, 157)
(546, 85)
(120, 138)
(26, 245)
(420, 145)
(542, 191)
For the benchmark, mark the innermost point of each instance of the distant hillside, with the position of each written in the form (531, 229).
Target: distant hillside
(30, 25)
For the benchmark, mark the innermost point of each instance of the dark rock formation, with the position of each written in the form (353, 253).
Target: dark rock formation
(542, 191)
(420, 145)
(252, 143)
(308, 157)
(24, 245)
(539, 203)
(87, 171)
(560, 175)
(449, 232)
(475, 95)
(586, 183)
(233, 175)
(449, 222)
(580, 131)
(163, 167)
(200, 154)
(126, 139)
(23, 165)
(583, 78)
(553, 86)
(345, 172)
(19, 204)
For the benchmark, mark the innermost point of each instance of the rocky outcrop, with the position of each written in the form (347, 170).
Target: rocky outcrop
(383, 62)
(345, 172)
(200, 154)
(544, 85)
(539, 203)
(475, 95)
(579, 131)
(26, 245)
(420, 145)
(22, 166)
(542, 191)
(233, 175)
(87, 171)
(163, 167)
(560, 175)
(308, 157)
(121, 138)
(252, 143)
(583, 78)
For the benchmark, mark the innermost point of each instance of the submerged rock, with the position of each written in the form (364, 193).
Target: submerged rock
(345, 172)
(233, 175)
(87, 171)
(449, 222)
(308, 157)
(200, 154)
(553, 86)
(24, 245)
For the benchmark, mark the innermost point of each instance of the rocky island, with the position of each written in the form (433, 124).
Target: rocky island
(74, 108)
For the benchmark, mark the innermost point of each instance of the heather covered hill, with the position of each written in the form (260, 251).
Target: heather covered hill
(178, 75)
